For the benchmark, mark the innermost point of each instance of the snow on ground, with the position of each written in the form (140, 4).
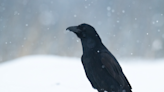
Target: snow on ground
(62, 74)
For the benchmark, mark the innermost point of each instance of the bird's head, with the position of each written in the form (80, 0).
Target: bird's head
(83, 31)
(88, 35)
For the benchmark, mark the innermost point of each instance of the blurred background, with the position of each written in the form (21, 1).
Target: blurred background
(129, 28)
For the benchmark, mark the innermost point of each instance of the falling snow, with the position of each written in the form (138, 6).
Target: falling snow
(108, 8)
(137, 41)
(126, 30)
(75, 15)
(98, 51)
(113, 10)
(103, 66)
(123, 11)
(157, 45)
(86, 7)
(48, 18)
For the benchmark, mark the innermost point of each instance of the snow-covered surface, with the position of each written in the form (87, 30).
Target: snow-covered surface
(62, 74)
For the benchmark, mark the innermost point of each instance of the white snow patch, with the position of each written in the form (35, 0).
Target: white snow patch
(63, 74)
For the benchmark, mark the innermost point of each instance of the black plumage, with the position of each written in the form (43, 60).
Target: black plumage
(101, 67)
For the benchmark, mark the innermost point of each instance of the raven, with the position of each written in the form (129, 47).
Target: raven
(101, 67)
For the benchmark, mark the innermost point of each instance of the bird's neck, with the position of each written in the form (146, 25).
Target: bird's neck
(89, 45)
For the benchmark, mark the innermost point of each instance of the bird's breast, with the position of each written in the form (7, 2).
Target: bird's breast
(90, 43)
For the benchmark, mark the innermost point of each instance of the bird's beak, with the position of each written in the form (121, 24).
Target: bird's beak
(74, 29)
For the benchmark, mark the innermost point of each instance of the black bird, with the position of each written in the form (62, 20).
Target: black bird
(101, 67)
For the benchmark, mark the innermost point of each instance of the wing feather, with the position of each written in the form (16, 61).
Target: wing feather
(114, 69)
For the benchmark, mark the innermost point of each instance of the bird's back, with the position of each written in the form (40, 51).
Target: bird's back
(99, 75)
